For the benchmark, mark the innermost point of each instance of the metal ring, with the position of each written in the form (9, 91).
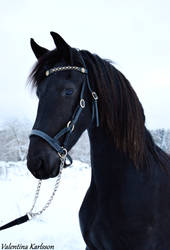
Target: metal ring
(94, 95)
(82, 103)
(83, 70)
(68, 125)
(63, 155)
(47, 72)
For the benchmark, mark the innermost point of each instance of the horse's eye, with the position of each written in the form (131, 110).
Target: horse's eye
(68, 91)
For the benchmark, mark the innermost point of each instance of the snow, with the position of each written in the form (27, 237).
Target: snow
(59, 224)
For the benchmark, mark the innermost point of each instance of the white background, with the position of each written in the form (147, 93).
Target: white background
(134, 34)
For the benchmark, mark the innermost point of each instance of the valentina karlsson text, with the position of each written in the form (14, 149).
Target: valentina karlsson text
(31, 246)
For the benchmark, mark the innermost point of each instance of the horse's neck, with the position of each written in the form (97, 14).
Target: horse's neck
(103, 150)
(108, 164)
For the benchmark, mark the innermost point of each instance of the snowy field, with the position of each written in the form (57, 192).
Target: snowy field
(58, 226)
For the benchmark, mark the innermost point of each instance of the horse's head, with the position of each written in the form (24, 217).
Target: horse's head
(66, 107)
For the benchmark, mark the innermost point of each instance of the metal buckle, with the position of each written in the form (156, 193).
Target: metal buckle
(82, 103)
(68, 125)
(63, 155)
(94, 95)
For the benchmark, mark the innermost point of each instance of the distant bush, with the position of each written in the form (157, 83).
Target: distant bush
(162, 139)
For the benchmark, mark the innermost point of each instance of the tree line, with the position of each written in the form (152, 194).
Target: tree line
(14, 141)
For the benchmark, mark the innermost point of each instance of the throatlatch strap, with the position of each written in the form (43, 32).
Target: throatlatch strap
(15, 222)
(96, 113)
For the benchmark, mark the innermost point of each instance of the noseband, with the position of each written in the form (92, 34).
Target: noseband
(68, 129)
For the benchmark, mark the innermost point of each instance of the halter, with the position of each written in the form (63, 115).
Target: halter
(68, 129)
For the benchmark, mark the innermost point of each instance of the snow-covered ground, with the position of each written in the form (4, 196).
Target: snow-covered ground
(58, 225)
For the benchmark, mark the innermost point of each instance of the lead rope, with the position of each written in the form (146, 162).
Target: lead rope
(32, 214)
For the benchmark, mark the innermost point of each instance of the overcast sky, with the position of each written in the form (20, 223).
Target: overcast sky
(134, 34)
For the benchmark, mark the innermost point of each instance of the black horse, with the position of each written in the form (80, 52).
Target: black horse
(127, 206)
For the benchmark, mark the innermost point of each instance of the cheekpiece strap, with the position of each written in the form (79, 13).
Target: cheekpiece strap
(95, 112)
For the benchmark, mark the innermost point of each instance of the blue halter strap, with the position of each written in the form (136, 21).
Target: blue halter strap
(68, 129)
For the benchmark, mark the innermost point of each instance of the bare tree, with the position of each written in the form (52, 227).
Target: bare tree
(14, 138)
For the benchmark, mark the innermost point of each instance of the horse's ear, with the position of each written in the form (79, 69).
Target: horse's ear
(38, 50)
(59, 41)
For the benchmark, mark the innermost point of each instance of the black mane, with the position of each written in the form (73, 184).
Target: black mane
(121, 113)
